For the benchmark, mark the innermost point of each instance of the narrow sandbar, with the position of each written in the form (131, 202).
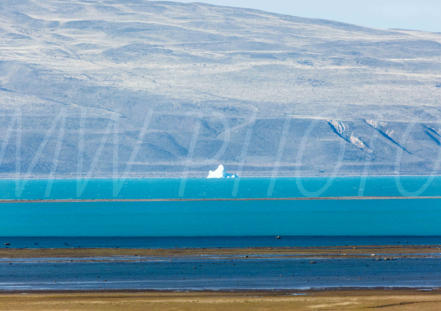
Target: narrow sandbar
(325, 252)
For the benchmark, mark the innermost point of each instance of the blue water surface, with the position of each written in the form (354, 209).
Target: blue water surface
(163, 188)
(220, 274)
(212, 241)
(391, 213)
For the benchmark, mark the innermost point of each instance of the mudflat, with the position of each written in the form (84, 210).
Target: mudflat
(167, 301)
(328, 252)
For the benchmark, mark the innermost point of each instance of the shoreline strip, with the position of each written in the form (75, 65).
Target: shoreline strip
(177, 200)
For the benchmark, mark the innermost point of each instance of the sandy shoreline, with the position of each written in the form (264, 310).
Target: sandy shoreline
(216, 301)
(405, 251)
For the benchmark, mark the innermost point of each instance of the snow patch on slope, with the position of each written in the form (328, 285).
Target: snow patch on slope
(434, 135)
(342, 130)
(358, 142)
(338, 126)
(387, 133)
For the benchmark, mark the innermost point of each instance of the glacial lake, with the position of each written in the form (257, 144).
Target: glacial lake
(341, 206)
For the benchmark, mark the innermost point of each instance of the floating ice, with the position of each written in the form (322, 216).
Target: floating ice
(220, 173)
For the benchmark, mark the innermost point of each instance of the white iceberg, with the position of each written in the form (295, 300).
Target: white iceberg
(220, 173)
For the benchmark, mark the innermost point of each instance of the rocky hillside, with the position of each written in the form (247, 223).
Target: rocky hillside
(122, 88)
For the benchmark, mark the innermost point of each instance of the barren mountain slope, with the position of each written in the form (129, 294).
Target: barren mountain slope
(116, 88)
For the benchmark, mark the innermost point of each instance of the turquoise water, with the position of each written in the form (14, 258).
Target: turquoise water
(223, 188)
(386, 217)
(238, 218)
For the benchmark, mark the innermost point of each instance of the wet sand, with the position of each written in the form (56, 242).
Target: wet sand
(380, 252)
(368, 260)
(388, 300)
